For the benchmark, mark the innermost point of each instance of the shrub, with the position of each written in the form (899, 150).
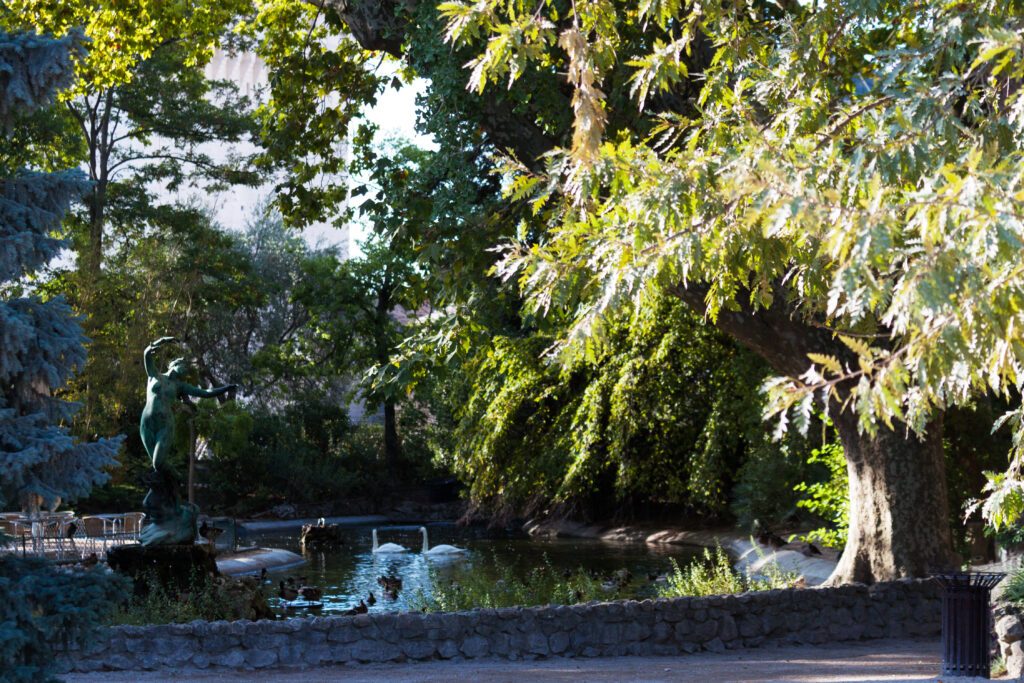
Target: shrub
(43, 607)
(1013, 589)
(829, 499)
(715, 576)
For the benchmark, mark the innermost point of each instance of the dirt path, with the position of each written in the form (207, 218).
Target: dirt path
(880, 660)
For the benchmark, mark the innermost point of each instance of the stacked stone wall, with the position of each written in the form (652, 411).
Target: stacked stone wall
(648, 627)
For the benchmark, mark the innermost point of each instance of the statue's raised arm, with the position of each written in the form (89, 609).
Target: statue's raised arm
(147, 355)
(189, 390)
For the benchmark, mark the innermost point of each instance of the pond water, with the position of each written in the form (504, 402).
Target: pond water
(348, 573)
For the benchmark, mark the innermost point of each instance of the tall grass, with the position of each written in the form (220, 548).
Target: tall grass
(542, 585)
(211, 599)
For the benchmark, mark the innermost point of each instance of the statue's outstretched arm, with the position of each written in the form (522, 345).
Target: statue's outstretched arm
(147, 355)
(190, 390)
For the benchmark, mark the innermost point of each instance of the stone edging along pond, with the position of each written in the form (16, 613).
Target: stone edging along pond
(649, 627)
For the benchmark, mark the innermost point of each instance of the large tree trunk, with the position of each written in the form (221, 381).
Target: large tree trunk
(899, 524)
(899, 511)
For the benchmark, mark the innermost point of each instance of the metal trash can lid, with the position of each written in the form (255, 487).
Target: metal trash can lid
(986, 580)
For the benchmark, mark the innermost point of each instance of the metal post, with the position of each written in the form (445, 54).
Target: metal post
(191, 460)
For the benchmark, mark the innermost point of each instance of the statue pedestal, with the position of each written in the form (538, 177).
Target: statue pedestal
(180, 567)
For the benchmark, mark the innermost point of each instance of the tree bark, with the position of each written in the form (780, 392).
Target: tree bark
(899, 509)
(899, 524)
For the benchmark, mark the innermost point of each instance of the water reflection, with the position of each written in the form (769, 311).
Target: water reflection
(348, 574)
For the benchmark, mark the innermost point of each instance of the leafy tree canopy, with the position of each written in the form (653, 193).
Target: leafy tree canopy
(858, 165)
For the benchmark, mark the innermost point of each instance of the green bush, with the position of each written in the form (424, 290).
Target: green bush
(44, 606)
(829, 500)
(1013, 590)
(714, 575)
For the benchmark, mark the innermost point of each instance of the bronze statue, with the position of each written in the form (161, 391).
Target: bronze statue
(168, 520)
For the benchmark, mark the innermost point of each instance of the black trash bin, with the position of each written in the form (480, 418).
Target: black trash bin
(966, 622)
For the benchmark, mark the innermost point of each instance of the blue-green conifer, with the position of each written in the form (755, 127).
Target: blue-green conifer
(42, 607)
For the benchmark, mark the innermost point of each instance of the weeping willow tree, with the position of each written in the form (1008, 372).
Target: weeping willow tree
(659, 416)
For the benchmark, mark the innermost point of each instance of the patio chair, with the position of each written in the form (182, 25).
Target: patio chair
(132, 524)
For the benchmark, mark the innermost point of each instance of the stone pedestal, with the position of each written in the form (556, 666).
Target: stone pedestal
(180, 567)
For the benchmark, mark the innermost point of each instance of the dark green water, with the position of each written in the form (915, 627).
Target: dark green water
(348, 574)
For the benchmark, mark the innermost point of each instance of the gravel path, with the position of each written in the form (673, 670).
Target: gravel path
(879, 660)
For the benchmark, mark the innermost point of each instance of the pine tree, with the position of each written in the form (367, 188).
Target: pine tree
(41, 343)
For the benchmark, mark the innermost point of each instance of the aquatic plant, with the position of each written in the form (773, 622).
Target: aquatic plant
(500, 586)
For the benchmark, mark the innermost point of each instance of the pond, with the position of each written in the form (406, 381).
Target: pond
(348, 573)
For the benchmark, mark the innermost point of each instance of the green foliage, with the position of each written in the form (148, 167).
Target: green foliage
(308, 453)
(661, 414)
(500, 585)
(321, 81)
(1013, 587)
(714, 575)
(829, 500)
(767, 478)
(44, 608)
(857, 176)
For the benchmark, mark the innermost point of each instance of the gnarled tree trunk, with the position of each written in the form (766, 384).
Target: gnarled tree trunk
(898, 504)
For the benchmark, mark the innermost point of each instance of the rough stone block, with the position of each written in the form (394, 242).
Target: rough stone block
(342, 634)
(229, 660)
(705, 631)
(683, 629)
(372, 651)
(537, 644)
(1010, 629)
(447, 649)
(715, 645)
(751, 625)
(261, 659)
(500, 644)
(418, 649)
(557, 642)
(727, 629)
(475, 646)
(1013, 658)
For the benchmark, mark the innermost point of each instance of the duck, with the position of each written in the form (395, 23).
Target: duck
(361, 608)
(287, 592)
(766, 536)
(387, 547)
(371, 599)
(443, 549)
(393, 583)
(310, 593)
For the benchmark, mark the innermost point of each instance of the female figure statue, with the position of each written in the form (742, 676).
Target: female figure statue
(168, 520)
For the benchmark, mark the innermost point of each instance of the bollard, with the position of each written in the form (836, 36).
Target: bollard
(966, 623)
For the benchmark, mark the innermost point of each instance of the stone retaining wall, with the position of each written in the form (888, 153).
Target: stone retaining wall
(648, 627)
(1009, 628)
